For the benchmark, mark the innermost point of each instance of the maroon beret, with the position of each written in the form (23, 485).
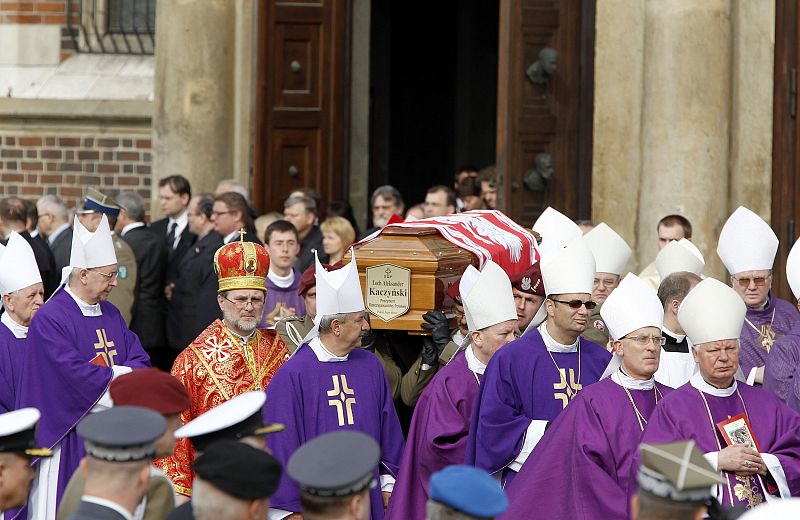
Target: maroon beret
(150, 388)
(529, 281)
(309, 278)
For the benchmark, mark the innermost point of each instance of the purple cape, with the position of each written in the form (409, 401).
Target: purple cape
(286, 295)
(752, 354)
(581, 469)
(12, 349)
(522, 384)
(683, 416)
(781, 368)
(437, 436)
(57, 378)
(311, 398)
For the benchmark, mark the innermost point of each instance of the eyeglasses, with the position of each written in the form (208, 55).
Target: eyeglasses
(109, 276)
(241, 303)
(744, 282)
(218, 213)
(576, 304)
(643, 341)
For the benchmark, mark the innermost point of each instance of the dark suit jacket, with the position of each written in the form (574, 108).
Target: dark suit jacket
(62, 249)
(174, 256)
(90, 511)
(182, 512)
(194, 298)
(312, 242)
(45, 261)
(149, 303)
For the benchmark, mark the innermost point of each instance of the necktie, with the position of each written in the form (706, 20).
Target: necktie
(171, 235)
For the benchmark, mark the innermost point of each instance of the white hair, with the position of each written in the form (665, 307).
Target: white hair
(226, 185)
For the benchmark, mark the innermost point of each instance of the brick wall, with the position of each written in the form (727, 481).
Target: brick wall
(43, 12)
(32, 165)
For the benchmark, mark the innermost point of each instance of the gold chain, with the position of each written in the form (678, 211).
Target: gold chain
(716, 438)
(639, 415)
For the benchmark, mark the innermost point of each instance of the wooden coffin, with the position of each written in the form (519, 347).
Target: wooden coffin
(405, 273)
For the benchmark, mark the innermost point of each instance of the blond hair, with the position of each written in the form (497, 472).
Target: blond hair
(342, 227)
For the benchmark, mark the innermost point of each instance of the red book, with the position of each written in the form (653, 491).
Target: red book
(737, 430)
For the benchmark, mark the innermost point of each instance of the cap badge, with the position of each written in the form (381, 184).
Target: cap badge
(526, 283)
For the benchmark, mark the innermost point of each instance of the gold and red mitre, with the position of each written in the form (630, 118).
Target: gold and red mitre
(241, 265)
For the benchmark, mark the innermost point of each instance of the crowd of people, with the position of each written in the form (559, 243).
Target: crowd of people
(219, 364)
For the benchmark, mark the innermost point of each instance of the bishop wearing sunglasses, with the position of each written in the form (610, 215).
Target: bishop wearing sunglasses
(532, 379)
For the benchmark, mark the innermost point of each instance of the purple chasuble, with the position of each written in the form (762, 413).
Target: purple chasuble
(57, 378)
(581, 469)
(12, 350)
(683, 415)
(782, 368)
(311, 397)
(437, 436)
(285, 295)
(521, 384)
(786, 317)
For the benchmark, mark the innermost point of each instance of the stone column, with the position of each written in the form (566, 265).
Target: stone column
(617, 156)
(193, 114)
(751, 110)
(685, 122)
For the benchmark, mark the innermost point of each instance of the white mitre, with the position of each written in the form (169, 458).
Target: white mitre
(556, 229)
(92, 249)
(712, 311)
(746, 243)
(487, 296)
(611, 252)
(679, 255)
(338, 292)
(631, 306)
(18, 267)
(569, 270)
(793, 269)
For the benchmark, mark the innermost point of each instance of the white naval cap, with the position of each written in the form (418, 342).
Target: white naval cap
(338, 292)
(677, 256)
(611, 252)
(711, 311)
(570, 269)
(746, 243)
(18, 433)
(236, 418)
(92, 249)
(556, 229)
(18, 268)
(487, 296)
(631, 306)
(793, 269)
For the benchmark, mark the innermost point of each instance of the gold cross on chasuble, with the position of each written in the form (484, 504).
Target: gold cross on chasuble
(566, 391)
(103, 346)
(344, 399)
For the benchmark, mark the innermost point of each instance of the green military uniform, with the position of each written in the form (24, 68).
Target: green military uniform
(122, 295)
(596, 330)
(416, 379)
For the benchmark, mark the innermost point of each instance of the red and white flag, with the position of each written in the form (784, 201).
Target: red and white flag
(488, 234)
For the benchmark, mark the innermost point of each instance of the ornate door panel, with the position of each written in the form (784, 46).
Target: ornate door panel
(299, 131)
(539, 113)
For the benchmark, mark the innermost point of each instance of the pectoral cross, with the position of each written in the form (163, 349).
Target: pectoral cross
(341, 401)
(565, 392)
(242, 233)
(104, 346)
(767, 336)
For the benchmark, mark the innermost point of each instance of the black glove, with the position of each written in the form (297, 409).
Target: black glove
(368, 339)
(430, 352)
(436, 324)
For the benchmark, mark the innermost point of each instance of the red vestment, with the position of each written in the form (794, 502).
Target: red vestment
(214, 368)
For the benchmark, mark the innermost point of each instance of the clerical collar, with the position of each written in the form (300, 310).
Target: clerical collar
(109, 504)
(626, 381)
(132, 225)
(698, 382)
(19, 331)
(473, 363)
(281, 281)
(458, 337)
(87, 309)
(761, 307)
(553, 345)
(677, 337)
(323, 354)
